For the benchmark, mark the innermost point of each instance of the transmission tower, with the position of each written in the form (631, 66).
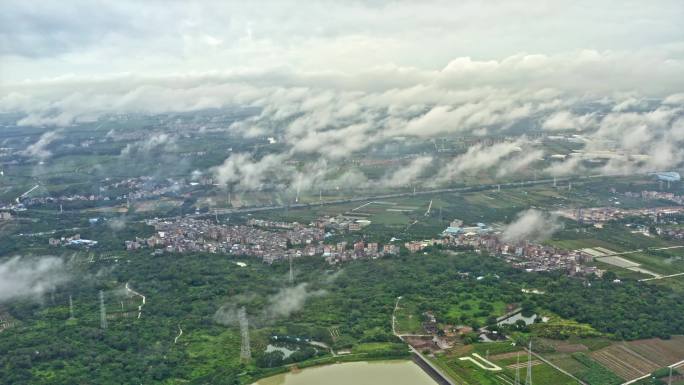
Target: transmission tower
(517, 371)
(291, 272)
(245, 350)
(103, 312)
(71, 308)
(528, 380)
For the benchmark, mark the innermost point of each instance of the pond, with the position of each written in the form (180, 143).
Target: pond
(355, 373)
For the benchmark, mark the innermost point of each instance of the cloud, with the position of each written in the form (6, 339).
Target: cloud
(481, 157)
(117, 224)
(39, 148)
(24, 277)
(290, 300)
(566, 120)
(408, 174)
(570, 165)
(155, 142)
(531, 225)
(283, 304)
(243, 172)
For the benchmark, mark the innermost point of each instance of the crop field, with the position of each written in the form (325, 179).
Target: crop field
(624, 362)
(407, 320)
(661, 352)
(505, 356)
(589, 359)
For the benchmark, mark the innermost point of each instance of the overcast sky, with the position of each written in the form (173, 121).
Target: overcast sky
(45, 39)
(334, 77)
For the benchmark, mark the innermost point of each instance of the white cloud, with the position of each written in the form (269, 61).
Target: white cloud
(531, 225)
(245, 173)
(24, 277)
(480, 158)
(39, 148)
(408, 174)
(566, 120)
(290, 300)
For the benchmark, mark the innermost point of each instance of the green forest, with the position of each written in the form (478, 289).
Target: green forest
(199, 293)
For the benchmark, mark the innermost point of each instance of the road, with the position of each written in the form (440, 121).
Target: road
(138, 294)
(656, 276)
(370, 198)
(180, 333)
(445, 378)
(661, 277)
(482, 187)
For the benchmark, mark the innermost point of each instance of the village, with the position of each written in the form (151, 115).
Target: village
(273, 240)
(268, 240)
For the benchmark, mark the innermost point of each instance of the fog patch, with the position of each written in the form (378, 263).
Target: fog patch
(290, 300)
(531, 225)
(23, 277)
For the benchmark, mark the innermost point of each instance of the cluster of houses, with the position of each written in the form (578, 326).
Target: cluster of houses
(527, 255)
(74, 240)
(340, 252)
(202, 235)
(599, 215)
(524, 254)
(268, 240)
(657, 195)
(139, 188)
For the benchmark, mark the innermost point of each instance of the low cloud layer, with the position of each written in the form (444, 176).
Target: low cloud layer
(533, 225)
(290, 300)
(375, 72)
(283, 304)
(39, 149)
(28, 277)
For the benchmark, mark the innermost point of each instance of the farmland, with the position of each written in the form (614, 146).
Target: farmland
(502, 354)
(628, 360)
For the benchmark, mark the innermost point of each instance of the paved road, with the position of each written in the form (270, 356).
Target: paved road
(435, 371)
(661, 277)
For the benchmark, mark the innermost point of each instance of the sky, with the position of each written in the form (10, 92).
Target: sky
(371, 70)
(51, 39)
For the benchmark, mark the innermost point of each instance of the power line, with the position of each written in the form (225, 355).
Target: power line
(245, 349)
(528, 379)
(103, 312)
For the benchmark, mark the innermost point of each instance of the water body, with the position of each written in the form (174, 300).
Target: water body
(355, 373)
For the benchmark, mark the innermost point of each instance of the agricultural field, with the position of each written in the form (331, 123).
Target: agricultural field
(507, 357)
(593, 359)
(408, 319)
(629, 255)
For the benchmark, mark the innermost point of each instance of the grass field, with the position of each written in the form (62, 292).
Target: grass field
(472, 309)
(408, 320)
(590, 358)
(503, 354)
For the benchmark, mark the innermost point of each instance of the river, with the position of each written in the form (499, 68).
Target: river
(355, 373)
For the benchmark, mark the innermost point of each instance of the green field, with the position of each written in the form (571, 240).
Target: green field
(470, 373)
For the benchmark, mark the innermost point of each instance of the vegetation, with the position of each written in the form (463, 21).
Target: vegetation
(594, 373)
(357, 300)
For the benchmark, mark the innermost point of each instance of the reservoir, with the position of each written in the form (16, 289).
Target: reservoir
(355, 373)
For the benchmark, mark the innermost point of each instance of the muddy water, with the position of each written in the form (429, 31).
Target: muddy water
(355, 373)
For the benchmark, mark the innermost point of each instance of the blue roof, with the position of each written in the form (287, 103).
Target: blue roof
(453, 230)
(669, 176)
